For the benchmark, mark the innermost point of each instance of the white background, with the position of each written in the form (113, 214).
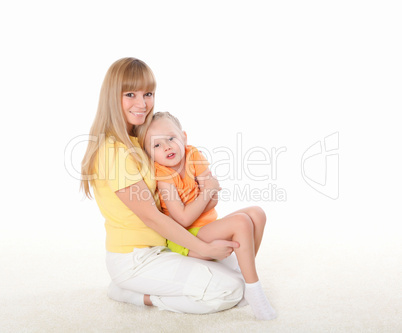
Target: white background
(283, 74)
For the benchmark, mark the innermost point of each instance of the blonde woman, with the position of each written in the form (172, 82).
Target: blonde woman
(143, 271)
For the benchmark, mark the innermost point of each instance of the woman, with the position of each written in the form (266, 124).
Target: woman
(142, 270)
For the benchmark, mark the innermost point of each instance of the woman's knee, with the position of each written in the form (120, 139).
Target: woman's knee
(237, 288)
(225, 289)
(235, 295)
(231, 293)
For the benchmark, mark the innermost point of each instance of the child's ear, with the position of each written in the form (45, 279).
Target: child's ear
(185, 137)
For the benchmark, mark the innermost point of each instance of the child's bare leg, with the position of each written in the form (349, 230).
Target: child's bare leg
(258, 217)
(239, 227)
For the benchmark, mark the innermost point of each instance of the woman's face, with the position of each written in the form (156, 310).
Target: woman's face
(136, 106)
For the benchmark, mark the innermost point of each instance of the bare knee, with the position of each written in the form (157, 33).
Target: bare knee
(258, 216)
(243, 224)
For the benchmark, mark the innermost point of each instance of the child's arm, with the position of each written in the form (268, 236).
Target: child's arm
(185, 215)
(214, 199)
(212, 203)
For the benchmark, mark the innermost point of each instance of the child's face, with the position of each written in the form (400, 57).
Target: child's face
(165, 143)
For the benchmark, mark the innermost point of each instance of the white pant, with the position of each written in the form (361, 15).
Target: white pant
(175, 282)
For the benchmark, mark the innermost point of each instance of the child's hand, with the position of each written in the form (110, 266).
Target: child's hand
(210, 185)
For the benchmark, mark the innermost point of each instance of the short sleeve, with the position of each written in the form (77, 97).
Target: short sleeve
(118, 167)
(197, 160)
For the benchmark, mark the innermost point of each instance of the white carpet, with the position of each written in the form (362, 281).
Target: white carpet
(316, 285)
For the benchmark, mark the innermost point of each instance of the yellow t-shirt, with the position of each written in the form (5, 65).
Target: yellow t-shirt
(116, 169)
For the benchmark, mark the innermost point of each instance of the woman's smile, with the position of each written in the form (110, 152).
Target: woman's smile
(138, 114)
(136, 105)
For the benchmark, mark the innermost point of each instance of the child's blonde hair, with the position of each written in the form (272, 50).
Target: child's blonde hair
(126, 74)
(168, 115)
(141, 131)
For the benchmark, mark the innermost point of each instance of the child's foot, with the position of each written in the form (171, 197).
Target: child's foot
(259, 303)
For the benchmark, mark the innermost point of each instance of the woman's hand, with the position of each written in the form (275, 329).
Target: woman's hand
(220, 249)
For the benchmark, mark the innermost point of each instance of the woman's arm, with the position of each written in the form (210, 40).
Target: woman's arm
(139, 199)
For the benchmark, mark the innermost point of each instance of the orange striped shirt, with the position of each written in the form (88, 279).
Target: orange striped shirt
(187, 187)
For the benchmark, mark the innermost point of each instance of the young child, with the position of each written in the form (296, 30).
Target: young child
(180, 171)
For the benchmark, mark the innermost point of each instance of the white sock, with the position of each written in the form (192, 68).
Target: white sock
(259, 303)
(126, 296)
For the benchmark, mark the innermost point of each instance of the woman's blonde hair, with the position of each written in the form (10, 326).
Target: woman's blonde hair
(126, 74)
